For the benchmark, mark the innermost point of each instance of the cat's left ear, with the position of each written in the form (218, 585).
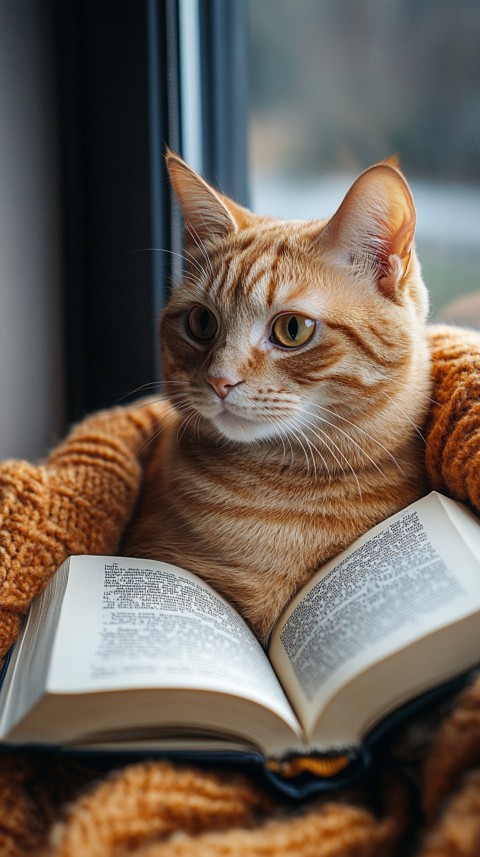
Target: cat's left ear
(206, 212)
(374, 227)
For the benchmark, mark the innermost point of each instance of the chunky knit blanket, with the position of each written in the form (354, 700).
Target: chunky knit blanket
(79, 501)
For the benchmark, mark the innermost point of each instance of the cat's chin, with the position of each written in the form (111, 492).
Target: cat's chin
(235, 428)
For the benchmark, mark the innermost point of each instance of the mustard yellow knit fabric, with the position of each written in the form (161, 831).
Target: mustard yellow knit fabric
(78, 501)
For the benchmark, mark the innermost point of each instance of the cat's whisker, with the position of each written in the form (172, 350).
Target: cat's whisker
(176, 400)
(359, 447)
(182, 407)
(190, 277)
(284, 434)
(332, 453)
(303, 449)
(280, 432)
(168, 419)
(308, 426)
(311, 445)
(399, 408)
(293, 434)
(171, 253)
(312, 448)
(182, 395)
(196, 428)
(352, 440)
(149, 385)
(409, 387)
(150, 441)
(201, 247)
(284, 437)
(184, 425)
(194, 279)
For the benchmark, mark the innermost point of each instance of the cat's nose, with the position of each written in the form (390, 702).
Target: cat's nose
(222, 384)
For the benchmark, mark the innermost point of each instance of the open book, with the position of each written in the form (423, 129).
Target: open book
(133, 653)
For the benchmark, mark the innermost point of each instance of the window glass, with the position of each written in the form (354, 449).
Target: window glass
(338, 85)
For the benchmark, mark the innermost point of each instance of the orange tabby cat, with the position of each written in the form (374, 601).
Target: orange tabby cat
(297, 371)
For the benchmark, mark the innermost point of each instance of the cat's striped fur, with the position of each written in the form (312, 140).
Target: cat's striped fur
(274, 457)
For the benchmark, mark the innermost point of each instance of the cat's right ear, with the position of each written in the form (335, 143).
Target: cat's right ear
(374, 227)
(206, 212)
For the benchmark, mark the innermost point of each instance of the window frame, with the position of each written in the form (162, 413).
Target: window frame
(122, 92)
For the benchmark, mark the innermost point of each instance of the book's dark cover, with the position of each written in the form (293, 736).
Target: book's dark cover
(361, 761)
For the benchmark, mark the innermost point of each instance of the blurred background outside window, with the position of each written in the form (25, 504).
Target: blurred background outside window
(338, 85)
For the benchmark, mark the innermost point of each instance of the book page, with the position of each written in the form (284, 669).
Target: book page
(26, 674)
(409, 576)
(129, 623)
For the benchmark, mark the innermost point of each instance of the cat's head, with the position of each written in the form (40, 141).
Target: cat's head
(275, 320)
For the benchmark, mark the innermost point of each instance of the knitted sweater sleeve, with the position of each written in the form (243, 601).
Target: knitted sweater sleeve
(77, 502)
(453, 424)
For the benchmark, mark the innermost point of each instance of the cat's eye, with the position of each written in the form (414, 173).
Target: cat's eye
(202, 324)
(291, 330)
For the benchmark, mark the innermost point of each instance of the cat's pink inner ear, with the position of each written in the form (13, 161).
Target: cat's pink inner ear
(375, 226)
(206, 212)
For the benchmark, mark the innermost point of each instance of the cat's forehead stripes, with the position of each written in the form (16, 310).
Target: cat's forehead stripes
(253, 264)
(239, 272)
(257, 277)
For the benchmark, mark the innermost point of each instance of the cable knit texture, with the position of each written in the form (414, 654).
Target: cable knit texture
(79, 501)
